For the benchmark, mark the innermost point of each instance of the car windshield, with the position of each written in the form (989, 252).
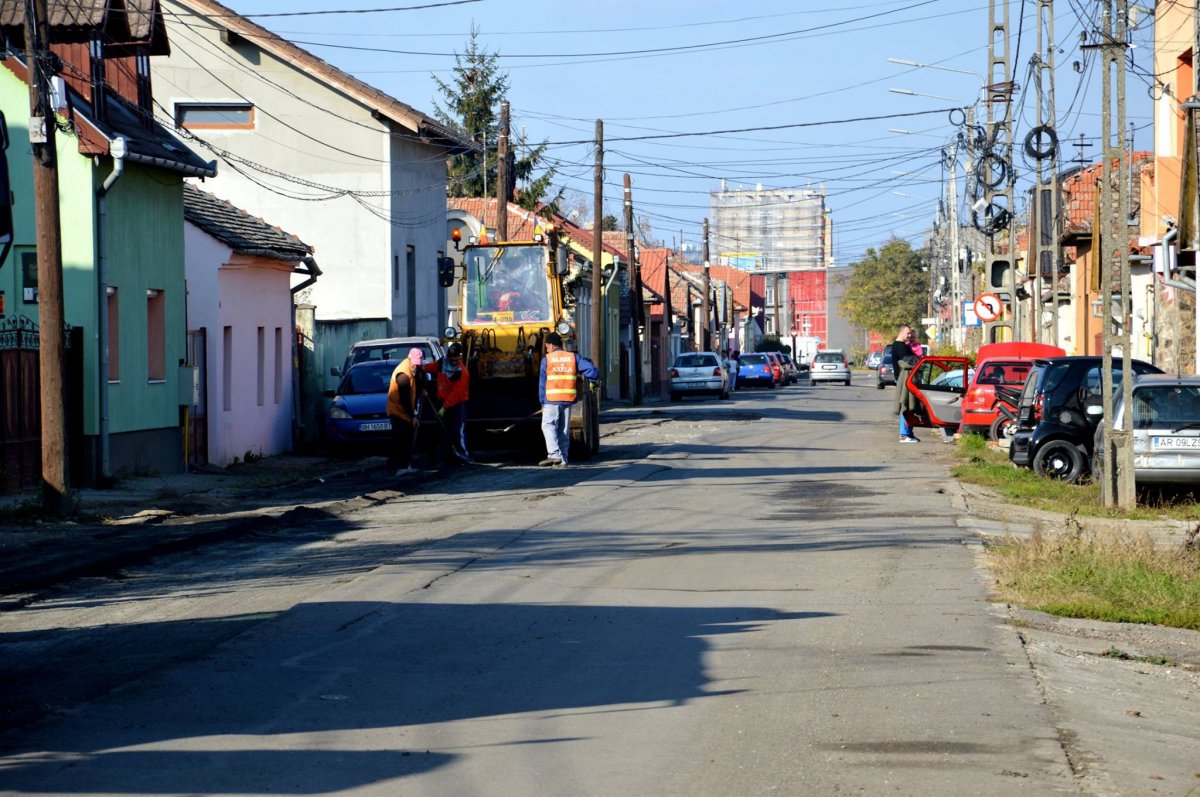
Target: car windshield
(367, 378)
(753, 359)
(696, 361)
(1053, 376)
(507, 285)
(827, 357)
(1165, 405)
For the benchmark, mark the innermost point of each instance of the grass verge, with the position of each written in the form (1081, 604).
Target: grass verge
(989, 467)
(1116, 578)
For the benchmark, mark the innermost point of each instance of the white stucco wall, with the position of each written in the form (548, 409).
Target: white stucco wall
(305, 129)
(243, 295)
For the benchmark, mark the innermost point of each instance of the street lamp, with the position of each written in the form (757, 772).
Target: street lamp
(919, 65)
(911, 93)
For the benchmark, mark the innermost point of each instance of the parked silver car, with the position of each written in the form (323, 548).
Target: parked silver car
(1166, 430)
(389, 349)
(830, 366)
(698, 373)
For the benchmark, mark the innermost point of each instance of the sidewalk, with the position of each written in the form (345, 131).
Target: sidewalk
(146, 516)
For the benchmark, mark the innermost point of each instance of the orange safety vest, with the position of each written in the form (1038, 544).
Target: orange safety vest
(561, 372)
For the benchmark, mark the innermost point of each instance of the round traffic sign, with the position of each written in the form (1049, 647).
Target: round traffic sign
(988, 307)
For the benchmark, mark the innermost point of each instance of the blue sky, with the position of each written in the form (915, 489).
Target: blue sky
(795, 62)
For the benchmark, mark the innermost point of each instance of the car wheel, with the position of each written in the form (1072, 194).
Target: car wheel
(675, 397)
(1059, 459)
(847, 383)
(1002, 428)
(879, 385)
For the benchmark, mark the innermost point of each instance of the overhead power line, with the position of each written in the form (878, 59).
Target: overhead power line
(761, 127)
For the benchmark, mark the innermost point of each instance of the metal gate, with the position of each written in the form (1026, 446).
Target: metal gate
(20, 404)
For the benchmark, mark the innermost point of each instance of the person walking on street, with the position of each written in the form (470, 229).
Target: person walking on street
(900, 351)
(731, 366)
(557, 390)
(453, 386)
(403, 406)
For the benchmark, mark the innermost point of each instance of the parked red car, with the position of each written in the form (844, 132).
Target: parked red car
(1005, 364)
(777, 368)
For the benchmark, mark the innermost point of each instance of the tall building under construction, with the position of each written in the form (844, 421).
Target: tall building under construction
(773, 229)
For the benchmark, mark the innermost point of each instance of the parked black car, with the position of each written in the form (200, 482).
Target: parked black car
(1059, 412)
(884, 371)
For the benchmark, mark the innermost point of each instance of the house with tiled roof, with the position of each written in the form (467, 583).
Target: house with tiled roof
(120, 177)
(359, 174)
(239, 306)
(1080, 321)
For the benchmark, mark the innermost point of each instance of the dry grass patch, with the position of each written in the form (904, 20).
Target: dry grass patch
(1123, 579)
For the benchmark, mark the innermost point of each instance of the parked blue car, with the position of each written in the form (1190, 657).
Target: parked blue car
(755, 369)
(358, 412)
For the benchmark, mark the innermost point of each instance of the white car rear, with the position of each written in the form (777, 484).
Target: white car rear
(698, 373)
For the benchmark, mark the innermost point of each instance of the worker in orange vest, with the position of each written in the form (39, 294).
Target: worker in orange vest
(403, 409)
(453, 389)
(557, 390)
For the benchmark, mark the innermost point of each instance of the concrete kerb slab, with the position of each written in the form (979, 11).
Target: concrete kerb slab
(989, 515)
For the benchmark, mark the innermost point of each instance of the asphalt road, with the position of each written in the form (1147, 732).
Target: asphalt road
(763, 595)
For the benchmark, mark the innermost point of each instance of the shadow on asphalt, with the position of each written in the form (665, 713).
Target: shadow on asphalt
(361, 667)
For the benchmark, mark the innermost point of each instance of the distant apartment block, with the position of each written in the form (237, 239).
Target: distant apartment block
(774, 229)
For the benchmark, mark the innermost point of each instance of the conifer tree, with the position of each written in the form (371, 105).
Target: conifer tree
(470, 103)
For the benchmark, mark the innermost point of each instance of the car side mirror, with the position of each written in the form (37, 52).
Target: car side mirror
(561, 266)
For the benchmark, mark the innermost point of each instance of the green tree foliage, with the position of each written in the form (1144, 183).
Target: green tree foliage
(470, 103)
(886, 289)
(609, 223)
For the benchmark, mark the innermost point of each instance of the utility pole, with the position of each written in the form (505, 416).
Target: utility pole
(1117, 486)
(706, 307)
(597, 341)
(1045, 217)
(998, 153)
(635, 287)
(502, 192)
(56, 492)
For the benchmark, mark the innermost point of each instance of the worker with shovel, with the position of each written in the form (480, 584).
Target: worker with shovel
(453, 387)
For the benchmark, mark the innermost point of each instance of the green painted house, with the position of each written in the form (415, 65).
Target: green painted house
(121, 205)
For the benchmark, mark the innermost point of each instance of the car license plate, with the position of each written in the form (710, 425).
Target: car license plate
(1161, 443)
(827, 368)
(375, 426)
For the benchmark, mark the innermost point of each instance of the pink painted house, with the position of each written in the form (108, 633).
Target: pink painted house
(241, 329)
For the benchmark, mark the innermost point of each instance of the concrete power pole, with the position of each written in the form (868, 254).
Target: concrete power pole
(1044, 211)
(56, 492)
(706, 306)
(999, 155)
(597, 342)
(1117, 485)
(502, 192)
(635, 287)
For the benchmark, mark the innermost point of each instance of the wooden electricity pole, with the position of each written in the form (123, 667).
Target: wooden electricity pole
(597, 341)
(635, 288)
(56, 496)
(706, 307)
(502, 192)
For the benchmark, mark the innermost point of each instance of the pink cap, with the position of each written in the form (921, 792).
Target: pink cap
(415, 356)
